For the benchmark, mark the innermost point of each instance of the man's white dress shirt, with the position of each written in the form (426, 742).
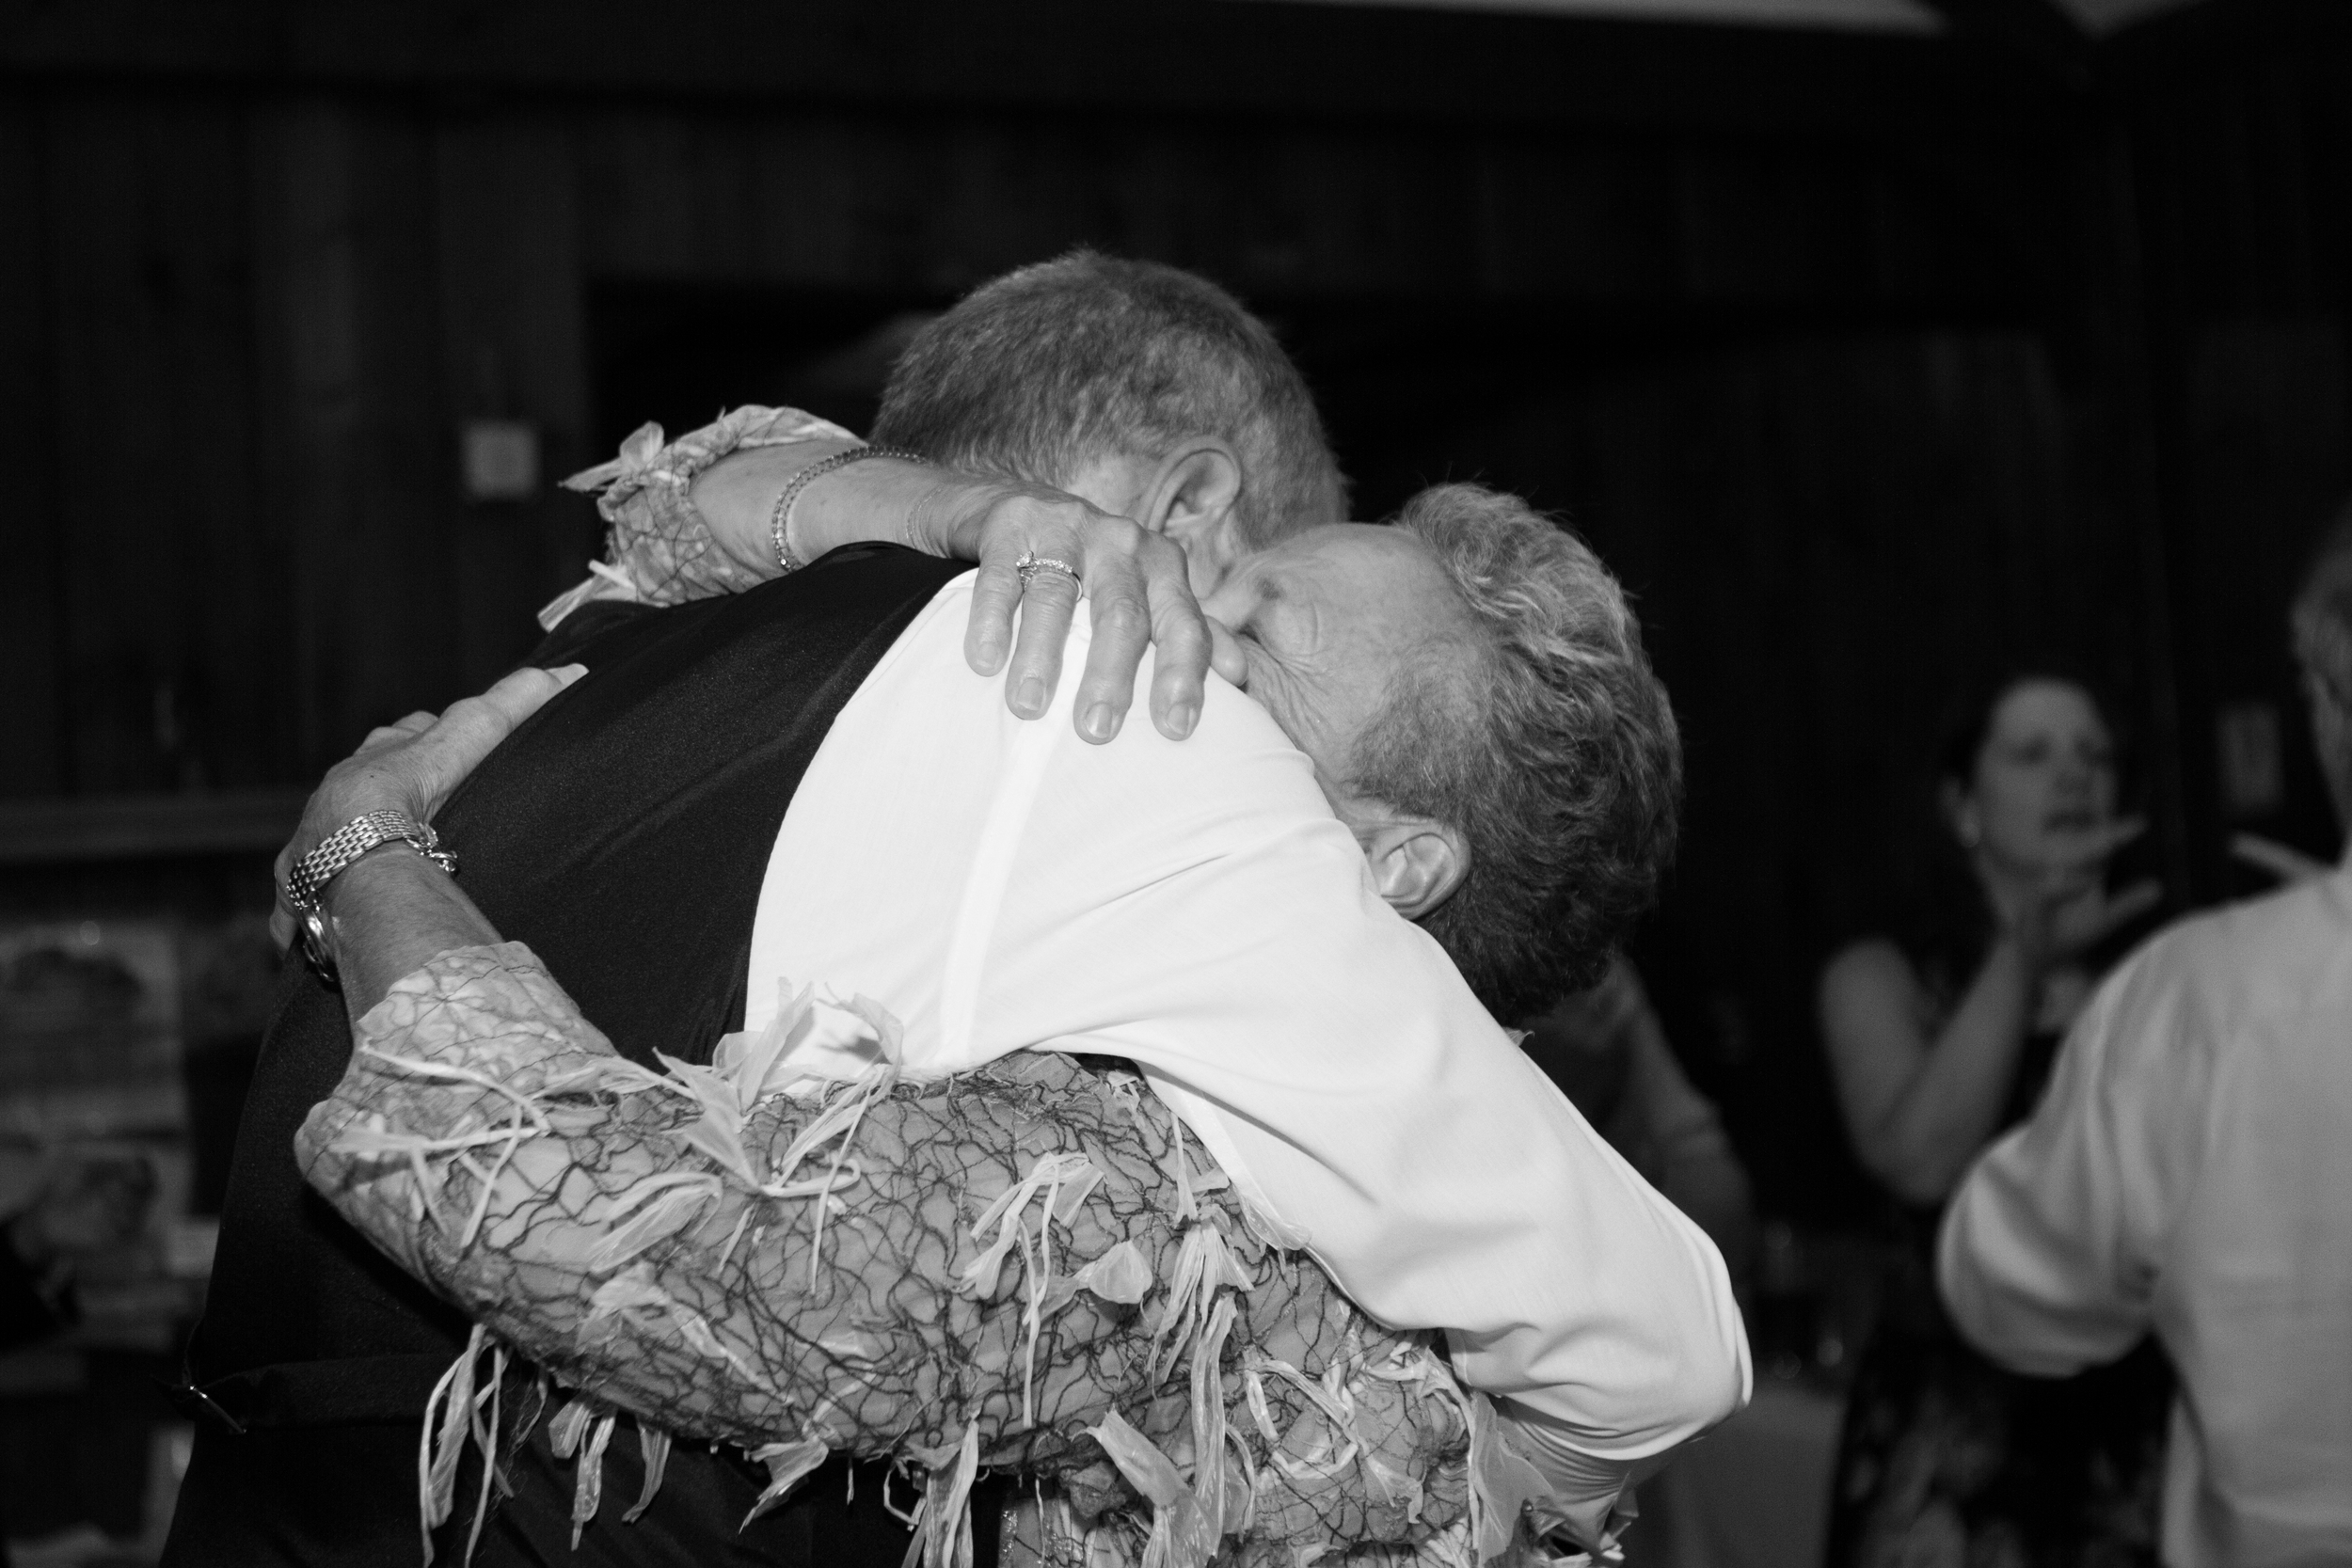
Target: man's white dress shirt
(999, 884)
(2190, 1171)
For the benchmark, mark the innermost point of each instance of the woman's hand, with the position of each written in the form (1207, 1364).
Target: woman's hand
(412, 767)
(2284, 861)
(2069, 911)
(1135, 579)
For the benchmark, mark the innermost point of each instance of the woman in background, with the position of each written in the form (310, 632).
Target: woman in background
(1941, 1035)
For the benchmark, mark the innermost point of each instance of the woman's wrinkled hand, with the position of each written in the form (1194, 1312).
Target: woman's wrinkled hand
(413, 766)
(1135, 582)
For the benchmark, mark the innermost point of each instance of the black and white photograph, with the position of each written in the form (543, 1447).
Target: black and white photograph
(1176, 784)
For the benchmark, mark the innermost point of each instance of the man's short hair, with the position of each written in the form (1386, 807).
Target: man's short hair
(1553, 750)
(1057, 365)
(2321, 618)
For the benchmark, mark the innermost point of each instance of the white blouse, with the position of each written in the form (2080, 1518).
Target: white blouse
(1194, 906)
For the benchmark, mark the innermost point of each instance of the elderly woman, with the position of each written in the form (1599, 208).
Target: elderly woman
(1456, 691)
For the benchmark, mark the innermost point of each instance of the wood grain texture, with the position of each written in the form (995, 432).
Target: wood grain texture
(32, 704)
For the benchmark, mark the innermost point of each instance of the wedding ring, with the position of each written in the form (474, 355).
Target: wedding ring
(1031, 564)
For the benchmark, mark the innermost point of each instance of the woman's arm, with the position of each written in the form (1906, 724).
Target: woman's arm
(697, 516)
(1919, 1106)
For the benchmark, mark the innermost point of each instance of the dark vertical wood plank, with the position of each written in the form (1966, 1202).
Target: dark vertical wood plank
(34, 760)
(357, 465)
(670, 196)
(514, 324)
(154, 403)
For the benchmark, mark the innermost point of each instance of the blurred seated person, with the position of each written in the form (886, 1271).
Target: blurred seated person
(1941, 1031)
(2190, 1175)
(1607, 1053)
(81, 1204)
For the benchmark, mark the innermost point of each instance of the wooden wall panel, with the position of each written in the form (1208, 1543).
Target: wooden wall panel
(167, 584)
(358, 458)
(32, 697)
(513, 307)
(674, 197)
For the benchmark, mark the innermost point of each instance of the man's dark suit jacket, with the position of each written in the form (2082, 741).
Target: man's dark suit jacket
(623, 833)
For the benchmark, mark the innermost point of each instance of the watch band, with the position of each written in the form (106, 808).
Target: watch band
(335, 854)
(354, 838)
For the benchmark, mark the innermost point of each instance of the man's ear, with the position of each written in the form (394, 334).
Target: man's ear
(1416, 862)
(1192, 501)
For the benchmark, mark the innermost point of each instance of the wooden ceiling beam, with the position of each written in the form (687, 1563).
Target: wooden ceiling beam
(1165, 57)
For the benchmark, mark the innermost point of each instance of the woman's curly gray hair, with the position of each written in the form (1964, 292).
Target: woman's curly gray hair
(1552, 749)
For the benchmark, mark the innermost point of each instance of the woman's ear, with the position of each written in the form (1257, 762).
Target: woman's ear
(1961, 814)
(1416, 862)
(1192, 499)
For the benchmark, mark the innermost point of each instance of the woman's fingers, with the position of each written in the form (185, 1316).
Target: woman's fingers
(412, 766)
(1225, 655)
(437, 761)
(2126, 907)
(2092, 847)
(996, 596)
(1140, 599)
(2287, 863)
(1180, 670)
(397, 730)
(1145, 605)
(1121, 613)
(1048, 601)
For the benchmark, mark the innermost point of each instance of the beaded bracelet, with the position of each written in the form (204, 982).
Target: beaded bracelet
(780, 520)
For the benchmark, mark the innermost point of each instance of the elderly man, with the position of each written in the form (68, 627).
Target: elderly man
(309, 1373)
(2189, 1173)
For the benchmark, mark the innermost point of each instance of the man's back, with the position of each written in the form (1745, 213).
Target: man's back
(2254, 1291)
(624, 835)
(2192, 1173)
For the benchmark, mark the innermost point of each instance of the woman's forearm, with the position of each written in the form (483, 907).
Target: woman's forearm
(1952, 1104)
(388, 917)
(888, 500)
(997, 1254)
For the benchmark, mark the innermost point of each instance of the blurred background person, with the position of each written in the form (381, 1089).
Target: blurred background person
(2189, 1174)
(1609, 1054)
(1940, 1032)
(1607, 1050)
(79, 1204)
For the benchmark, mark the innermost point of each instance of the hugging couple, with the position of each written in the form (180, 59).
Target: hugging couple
(847, 1110)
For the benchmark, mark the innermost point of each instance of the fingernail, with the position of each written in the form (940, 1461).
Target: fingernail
(1029, 701)
(1100, 722)
(1183, 717)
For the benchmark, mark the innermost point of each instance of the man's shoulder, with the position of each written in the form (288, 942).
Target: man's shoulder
(2250, 957)
(2292, 925)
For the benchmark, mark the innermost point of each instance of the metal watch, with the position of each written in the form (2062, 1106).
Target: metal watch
(336, 853)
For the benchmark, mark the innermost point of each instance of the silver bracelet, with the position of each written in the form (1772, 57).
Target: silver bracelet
(780, 520)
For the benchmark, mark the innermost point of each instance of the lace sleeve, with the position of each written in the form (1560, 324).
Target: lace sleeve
(1028, 1267)
(659, 549)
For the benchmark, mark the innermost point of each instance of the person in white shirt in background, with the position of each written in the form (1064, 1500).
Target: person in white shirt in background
(2189, 1174)
(1607, 1050)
